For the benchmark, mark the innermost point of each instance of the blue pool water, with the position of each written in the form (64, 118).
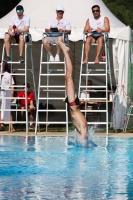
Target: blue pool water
(48, 168)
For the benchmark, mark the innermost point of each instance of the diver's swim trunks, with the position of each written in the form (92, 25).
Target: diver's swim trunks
(74, 103)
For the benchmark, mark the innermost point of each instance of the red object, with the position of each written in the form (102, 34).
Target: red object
(125, 121)
(72, 103)
(122, 86)
(30, 97)
(15, 30)
(103, 56)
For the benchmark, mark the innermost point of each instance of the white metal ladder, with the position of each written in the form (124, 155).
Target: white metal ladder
(23, 74)
(47, 72)
(104, 72)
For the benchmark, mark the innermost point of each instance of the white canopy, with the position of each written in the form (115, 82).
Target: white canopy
(77, 12)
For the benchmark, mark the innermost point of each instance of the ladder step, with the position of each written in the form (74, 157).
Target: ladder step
(98, 70)
(54, 90)
(52, 63)
(49, 122)
(54, 110)
(93, 86)
(94, 74)
(96, 90)
(21, 70)
(93, 111)
(16, 62)
(52, 98)
(97, 123)
(57, 86)
(18, 75)
(25, 44)
(91, 99)
(14, 109)
(14, 122)
(56, 70)
(52, 74)
(101, 63)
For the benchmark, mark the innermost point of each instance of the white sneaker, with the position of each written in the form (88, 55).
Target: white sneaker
(51, 59)
(57, 58)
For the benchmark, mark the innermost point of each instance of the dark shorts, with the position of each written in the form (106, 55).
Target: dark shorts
(96, 35)
(74, 103)
(15, 38)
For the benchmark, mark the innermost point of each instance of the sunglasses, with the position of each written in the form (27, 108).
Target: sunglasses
(95, 11)
(60, 11)
(19, 11)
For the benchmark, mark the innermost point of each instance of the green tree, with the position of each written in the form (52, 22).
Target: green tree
(6, 7)
(122, 10)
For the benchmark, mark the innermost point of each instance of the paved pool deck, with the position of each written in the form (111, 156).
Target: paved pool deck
(63, 134)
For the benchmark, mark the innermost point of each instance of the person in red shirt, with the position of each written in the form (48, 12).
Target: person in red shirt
(30, 101)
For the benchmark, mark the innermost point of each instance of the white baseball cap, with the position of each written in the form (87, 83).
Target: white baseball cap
(60, 8)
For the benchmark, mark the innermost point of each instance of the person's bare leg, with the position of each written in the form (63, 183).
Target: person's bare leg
(70, 90)
(2, 124)
(7, 44)
(59, 39)
(21, 45)
(89, 41)
(11, 125)
(22, 112)
(99, 48)
(47, 46)
(31, 115)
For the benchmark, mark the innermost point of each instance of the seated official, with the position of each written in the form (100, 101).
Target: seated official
(90, 104)
(18, 26)
(95, 26)
(62, 25)
(30, 100)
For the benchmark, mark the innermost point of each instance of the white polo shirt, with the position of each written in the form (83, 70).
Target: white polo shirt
(61, 24)
(20, 23)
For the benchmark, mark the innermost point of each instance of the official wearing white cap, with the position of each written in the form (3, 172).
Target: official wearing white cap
(60, 25)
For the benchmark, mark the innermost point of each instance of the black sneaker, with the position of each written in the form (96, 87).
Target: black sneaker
(21, 60)
(7, 59)
(31, 127)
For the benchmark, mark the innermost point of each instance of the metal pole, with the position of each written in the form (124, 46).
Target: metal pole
(26, 99)
(37, 102)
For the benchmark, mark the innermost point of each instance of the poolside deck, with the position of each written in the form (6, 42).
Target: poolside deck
(63, 134)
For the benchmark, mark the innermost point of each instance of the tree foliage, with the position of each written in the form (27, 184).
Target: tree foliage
(6, 6)
(122, 9)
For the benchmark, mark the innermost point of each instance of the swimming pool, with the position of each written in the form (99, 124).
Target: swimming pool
(47, 168)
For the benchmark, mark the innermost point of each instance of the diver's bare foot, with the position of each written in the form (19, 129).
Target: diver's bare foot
(96, 60)
(85, 61)
(64, 48)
